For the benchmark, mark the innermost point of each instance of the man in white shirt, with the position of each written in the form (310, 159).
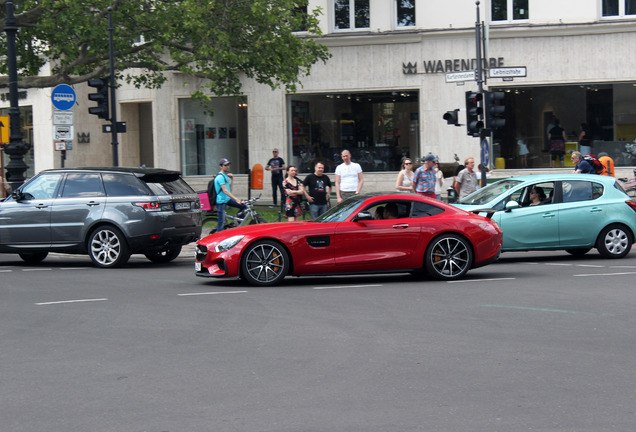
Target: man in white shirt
(349, 177)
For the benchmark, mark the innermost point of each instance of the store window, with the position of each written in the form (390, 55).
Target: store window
(212, 132)
(405, 10)
(606, 111)
(378, 128)
(351, 14)
(613, 8)
(509, 10)
(300, 14)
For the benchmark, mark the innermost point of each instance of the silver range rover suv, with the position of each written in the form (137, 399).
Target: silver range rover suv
(109, 213)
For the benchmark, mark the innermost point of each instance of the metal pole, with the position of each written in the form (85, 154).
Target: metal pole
(16, 149)
(480, 80)
(113, 102)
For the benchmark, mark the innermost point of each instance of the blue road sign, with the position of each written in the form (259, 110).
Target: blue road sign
(63, 97)
(485, 153)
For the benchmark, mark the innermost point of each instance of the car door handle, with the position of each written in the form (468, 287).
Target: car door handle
(548, 215)
(596, 210)
(92, 203)
(401, 226)
(41, 206)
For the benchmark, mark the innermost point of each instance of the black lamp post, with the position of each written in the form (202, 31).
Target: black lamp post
(15, 148)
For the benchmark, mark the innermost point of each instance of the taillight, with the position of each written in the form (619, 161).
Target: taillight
(149, 206)
(632, 204)
(490, 226)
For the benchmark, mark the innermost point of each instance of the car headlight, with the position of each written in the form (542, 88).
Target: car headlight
(228, 243)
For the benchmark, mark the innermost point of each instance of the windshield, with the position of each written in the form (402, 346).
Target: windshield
(485, 195)
(342, 211)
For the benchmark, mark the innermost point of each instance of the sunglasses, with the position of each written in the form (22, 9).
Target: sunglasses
(408, 163)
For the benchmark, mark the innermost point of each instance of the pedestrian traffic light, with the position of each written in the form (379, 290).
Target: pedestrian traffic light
(452, 117)
(474, 113)
(100, 96)
(494, 110)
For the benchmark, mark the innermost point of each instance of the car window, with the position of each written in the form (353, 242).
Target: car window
(422, 209)
(124, 185)
(342, 211)
(487, 194)
(389, 210)
(167, 184)
(43, 186)
(78, 185)
(578, 190)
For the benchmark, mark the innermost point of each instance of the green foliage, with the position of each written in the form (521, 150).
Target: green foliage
(221, 40)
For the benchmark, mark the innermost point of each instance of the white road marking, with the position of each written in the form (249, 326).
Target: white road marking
(346, 286)
(605, 274)
(74, 268)
(480, 280)
(211, 293)
(559, 264)
(37, 269)
(590, 265)
(6, 271)
(71, 301)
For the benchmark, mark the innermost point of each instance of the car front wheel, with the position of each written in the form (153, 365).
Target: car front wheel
(107, 247)
(264, 263)
(164, 256)
(448, 257)
(614, 242)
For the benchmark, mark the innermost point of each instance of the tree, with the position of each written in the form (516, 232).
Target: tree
(220, 40)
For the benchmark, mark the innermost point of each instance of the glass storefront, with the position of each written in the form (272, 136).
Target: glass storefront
(378, 128)
(209, 133)
(608, 110)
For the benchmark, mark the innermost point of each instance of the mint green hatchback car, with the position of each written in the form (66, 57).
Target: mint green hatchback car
(574, 212)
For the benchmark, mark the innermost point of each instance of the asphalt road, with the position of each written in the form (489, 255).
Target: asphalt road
(535, 342)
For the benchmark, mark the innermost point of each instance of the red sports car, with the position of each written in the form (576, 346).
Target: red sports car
(369, 233)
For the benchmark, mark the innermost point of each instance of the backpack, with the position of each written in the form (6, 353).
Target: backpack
(212, 192)
(597, 166)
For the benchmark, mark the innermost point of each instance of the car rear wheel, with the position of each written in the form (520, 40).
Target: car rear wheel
(578, 252)
(614, 242)
(448, 257)
(264, 263)
(164, 256)
(107, 247)
(33, 257)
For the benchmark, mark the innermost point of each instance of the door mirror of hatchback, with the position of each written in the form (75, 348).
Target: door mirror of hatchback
(510, 205)
(17, 195)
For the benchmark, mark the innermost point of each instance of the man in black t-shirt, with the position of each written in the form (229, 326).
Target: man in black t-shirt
(276, 165)
(317, 190)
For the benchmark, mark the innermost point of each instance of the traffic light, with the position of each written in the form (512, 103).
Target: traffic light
(474, 113)
(452, 117)
(101, 97)
(494, 109)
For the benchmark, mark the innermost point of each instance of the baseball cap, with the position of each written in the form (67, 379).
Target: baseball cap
(224, 161)
(430, 157)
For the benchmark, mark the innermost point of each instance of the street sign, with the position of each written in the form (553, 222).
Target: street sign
(63, 118)
(460, 76)
(63, 97)
(485, 153)
(4, 129)
(507, 72)
(62, 132)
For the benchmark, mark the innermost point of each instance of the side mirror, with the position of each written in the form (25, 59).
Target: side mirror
(510, 205)
(17, 195)
(363, 215)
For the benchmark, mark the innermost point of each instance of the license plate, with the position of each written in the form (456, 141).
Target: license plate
(197, 266)
(182, 206)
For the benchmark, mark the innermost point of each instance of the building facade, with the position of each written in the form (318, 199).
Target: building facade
(392, 75)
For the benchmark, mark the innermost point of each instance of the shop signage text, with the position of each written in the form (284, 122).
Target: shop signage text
(450, 65)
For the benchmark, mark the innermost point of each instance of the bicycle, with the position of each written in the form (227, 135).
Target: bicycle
(243, 216)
